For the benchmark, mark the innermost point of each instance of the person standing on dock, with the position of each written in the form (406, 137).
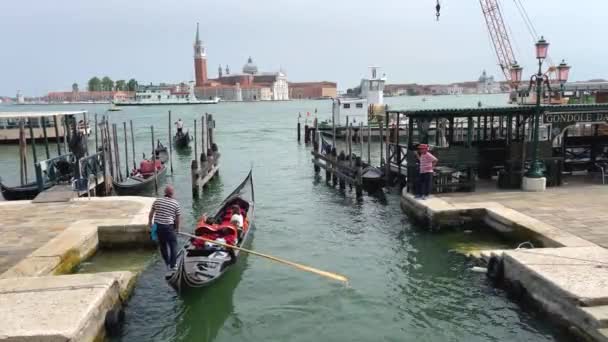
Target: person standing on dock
(424, 182)
(166, 213)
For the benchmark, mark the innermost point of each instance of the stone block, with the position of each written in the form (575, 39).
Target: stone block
(56, 308)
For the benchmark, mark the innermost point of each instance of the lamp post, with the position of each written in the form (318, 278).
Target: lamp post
(563, 70)
(533, 178)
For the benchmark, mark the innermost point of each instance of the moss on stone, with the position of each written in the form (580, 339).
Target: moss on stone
(68, 262)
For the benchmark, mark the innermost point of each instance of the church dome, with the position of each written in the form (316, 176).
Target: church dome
(250, 67)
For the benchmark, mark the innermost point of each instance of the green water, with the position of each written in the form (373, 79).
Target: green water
(404, 285)
(134, 260)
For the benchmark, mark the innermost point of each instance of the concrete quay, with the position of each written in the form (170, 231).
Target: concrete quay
(566, 275)
(42, 242)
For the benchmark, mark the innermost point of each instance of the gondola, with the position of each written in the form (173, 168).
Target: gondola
(161, 152)
(200, 264)
(141, 180)
(27, 191)
(181, 139)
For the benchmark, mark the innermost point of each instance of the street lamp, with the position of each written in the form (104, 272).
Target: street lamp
(563, 70)
(515, 72)
(536, 168)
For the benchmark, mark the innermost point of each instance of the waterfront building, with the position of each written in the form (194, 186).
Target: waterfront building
(249, 85)
(88, 96)
(313, 90)
(487, 85)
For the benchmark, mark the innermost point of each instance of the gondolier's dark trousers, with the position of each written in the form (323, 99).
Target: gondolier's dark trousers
(167, 242)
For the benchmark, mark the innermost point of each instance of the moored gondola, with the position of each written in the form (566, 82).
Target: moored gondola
(27, 191)
(200, 263)
(141, 180)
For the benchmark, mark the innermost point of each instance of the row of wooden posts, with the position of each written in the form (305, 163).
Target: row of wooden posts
(204, 167)
(340, 168)
(23, 163)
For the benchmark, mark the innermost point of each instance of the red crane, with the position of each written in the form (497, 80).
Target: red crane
(499, 36)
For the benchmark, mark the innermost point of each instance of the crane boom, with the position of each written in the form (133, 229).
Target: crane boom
(499, 36)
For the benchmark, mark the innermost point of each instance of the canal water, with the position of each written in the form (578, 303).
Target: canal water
(405, 284)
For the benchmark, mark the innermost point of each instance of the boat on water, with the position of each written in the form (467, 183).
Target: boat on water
(181, 139)
(199, 263)
(27, 191)
(41, 122)
(182, 94)
(141, 180)
(113, 108)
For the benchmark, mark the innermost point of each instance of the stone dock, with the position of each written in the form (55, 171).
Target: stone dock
(43, 242)
(566, 275)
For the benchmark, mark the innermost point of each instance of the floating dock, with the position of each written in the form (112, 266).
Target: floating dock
(44, 241)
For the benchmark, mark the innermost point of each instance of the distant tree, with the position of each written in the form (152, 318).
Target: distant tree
(107, 84)
(132, 85)
(120, 85)
(94, 84)
(75, 87)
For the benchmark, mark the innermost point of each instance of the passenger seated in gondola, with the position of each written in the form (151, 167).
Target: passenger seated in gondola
(237, 217)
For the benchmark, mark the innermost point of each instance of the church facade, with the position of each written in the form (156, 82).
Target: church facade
(248, 85)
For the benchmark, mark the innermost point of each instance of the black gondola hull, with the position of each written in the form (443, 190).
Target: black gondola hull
(146, 186)
(25, 192)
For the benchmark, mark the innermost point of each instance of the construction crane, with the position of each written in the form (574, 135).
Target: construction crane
(500, 37)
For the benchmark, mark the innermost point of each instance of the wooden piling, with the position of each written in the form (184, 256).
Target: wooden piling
(369, 143)
(46, 138)
(66, 131)
(133, 143)
(306, 139)
(334, 158)
(108, 148)
(387, 165)
(86, 136)
(359, 179)
(315, 148)
(210, 126)
(33, 138)
(124, 126)
(195, 142)
(361, 140)
(381, 131)
(96, 143)
(22, 152)
(57, 138)
(299, 127)
(203, 137)
(117, 153)
(154, 161)
(170, 143)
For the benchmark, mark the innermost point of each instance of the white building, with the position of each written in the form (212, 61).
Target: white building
(487, 85)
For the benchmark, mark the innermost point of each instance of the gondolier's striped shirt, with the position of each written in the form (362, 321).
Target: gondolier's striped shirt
(166, 210)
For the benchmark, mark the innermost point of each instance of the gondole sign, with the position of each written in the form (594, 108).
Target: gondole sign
(575, 117)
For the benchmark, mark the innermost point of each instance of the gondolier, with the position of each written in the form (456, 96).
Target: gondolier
(180, 125)
(165, 213)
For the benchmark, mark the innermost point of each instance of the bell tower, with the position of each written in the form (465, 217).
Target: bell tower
(200, 61)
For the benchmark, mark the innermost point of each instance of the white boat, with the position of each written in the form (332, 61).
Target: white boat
(9, 125)
(181, 94)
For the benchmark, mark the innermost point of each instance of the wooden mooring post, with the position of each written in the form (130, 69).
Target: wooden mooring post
(202, 173)
(46, 138)
(154, 161)
(57, 137)
(124, 128)
(299, 127)
(338, 169)
(170, 144)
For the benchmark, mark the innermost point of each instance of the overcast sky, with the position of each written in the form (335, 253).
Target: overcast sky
(47, 45)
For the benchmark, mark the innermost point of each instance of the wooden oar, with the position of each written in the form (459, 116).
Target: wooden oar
(326, 274)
